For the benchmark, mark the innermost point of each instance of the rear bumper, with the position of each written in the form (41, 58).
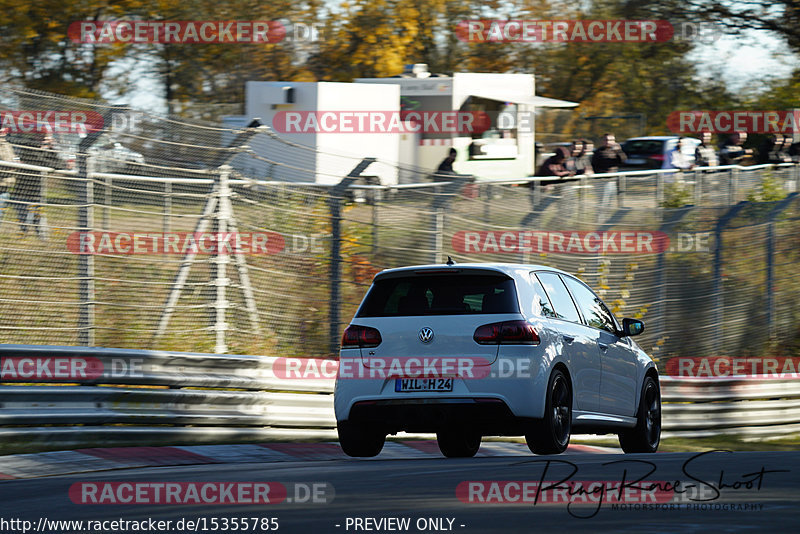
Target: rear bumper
(512, 387)
(487, 415)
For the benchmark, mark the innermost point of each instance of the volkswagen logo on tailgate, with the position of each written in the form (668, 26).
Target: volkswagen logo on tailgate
(426, 335)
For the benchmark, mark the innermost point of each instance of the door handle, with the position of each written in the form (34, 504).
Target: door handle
(603, 346)
(568, 339)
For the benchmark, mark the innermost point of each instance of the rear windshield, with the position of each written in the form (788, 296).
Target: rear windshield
(643, 147)
(440, 295)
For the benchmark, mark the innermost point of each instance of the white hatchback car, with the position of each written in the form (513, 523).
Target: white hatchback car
(472, 350)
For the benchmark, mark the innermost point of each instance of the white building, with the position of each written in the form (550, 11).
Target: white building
(319, 119)
(315, 154)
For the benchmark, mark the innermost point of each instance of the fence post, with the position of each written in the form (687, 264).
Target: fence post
(536, 195)
(582, 194)
(770, 260)
(487, 188)
(622, 184)
(335, 197)
(661, 268)
(44, 229)
(659, 188)
(221, 260)
(335, 206)
(376, 198)
(719, 298)
(796, 171)
(167, 206)
(438, 235)
(108, 199)
(732, 185)
(698, 187)
(86, 286)
(443, 194)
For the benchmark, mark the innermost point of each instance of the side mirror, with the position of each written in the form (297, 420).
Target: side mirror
(632, 327)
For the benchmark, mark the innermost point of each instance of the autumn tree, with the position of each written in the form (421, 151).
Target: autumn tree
(36, 50)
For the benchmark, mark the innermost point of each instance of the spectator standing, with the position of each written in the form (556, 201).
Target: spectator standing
(446, 166)
(574, 150)
(788, 143)
(28, 190)
(7, 177)
(609, 156)
(583, 164)
(588, 150)
(579, 163)
(676, 159)
(794, 152)
(766, 149)
(734, 153)
(555, 165)
(780, 152)
(704, 154)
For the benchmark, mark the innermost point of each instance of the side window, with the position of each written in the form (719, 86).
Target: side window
(541, 302)
(563, 307)
(593, 309)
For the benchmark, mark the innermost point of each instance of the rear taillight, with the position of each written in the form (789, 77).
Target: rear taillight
(356, 336)
(658, 157)
(506, 333)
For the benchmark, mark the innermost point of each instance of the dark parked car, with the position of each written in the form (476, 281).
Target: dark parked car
(650, 152)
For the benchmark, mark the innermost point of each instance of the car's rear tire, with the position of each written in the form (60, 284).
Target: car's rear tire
(360, 440)
(646, 435)
(457, 443)
(551, 434)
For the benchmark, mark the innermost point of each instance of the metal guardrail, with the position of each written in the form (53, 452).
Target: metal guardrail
(98, 395)
(101, 396)
(705, 407)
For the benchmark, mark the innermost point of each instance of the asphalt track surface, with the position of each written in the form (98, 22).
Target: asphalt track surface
(755, 497)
